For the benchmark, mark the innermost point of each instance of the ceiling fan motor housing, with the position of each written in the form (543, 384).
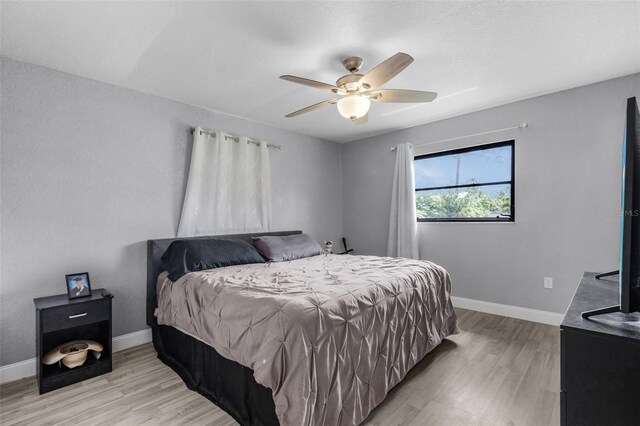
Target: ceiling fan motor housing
(349, 82)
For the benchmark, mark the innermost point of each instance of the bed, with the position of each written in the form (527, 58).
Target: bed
(312, 341)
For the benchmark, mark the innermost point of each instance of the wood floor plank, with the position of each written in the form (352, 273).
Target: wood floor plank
(497, 371)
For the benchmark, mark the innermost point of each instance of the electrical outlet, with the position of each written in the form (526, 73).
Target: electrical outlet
(548, 282)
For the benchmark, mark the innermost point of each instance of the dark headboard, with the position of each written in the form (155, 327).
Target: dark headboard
(155, 249)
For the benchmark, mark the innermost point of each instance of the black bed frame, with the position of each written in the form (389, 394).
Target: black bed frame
(226, 383)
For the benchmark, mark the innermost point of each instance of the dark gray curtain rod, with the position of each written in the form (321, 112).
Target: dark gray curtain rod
(236, 139)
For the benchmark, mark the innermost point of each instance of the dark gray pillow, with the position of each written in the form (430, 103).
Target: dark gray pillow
(184, 256)
(290, 247)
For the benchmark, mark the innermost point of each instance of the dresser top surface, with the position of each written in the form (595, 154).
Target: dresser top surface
(594, 294)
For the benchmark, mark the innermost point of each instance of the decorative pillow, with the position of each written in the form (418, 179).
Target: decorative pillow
(184, 256)
(290, 247)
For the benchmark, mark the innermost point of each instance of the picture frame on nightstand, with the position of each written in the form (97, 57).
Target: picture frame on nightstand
(78, 285)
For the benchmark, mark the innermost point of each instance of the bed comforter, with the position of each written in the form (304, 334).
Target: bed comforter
(329, 335)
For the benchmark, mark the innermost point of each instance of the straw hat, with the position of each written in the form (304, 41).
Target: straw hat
(72, 354)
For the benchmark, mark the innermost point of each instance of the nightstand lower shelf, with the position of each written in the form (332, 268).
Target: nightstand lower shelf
(55, 377)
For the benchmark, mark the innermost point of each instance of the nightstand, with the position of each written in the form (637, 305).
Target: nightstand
(60, 320)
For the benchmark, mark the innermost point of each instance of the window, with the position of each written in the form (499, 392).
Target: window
(466, 185)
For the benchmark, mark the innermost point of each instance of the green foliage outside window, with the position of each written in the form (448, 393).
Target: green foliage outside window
(462, 203)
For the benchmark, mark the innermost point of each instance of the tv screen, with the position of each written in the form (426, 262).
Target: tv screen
(630, 227)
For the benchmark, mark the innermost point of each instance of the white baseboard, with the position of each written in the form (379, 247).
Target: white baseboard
(27, 368)
(130, 340)
(544, 317)
(18, 370)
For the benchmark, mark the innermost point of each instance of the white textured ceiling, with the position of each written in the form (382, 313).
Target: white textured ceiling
(227, 56)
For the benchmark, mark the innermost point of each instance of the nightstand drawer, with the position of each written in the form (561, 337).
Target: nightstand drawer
(74, 315)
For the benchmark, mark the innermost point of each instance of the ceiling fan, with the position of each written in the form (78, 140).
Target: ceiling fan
(358, 90)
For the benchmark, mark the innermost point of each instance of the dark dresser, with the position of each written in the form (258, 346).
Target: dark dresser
(600, 359)
(58, 321)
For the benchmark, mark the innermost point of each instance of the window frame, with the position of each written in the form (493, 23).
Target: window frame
(511, 143)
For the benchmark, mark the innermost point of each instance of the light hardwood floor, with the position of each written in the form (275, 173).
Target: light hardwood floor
(497, 371)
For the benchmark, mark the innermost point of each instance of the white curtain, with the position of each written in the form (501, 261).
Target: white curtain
(403, 227)
(229, 187)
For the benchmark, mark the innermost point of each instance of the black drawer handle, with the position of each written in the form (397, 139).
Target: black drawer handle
(77, 316)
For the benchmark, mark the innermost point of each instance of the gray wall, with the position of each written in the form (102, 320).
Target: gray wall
(568, 171)
(91, 171)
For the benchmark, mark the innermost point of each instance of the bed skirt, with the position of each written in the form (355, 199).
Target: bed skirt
(226, 383)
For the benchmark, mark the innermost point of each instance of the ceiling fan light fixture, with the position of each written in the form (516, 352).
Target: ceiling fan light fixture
(353, 106)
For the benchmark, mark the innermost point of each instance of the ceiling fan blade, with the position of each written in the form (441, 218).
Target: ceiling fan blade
(310, 83)
(385, 71)
(398, 95)
(312, 107)
(362, 120)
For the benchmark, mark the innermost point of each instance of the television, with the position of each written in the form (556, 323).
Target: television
(629, 272)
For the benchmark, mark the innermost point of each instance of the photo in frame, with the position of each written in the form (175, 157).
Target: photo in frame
(78, 285)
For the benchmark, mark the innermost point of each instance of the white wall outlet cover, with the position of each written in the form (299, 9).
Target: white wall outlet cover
(548, 282)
